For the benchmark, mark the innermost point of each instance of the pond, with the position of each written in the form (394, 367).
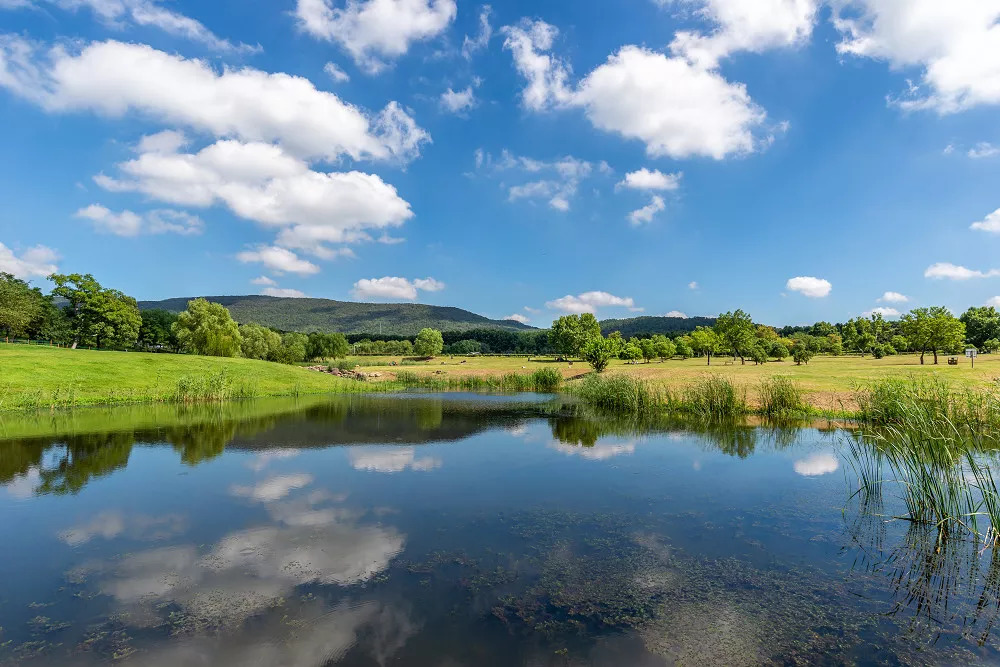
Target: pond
(460, 529)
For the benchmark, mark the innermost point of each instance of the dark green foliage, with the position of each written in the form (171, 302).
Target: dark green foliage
(802, 354)
(97, 315)
(155, 331)
(464, 347)
(981, 324)
(327, 346)
(306, 315)
(19, 305)
(647, 325)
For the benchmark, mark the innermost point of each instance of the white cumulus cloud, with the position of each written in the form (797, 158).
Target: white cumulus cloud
(263, 280)
(338, 75)
(949, 271)
(374, 31)
(283, 292)
(651, 179)
(883, 311)
(470, 45)
(36, 262)
(394, 287)
(114, 79)
(994, 301)
(817, 464)
(458, 101)
(518, 317)
(954, 44)
(990, 223)
(893, 297)
(279, 260)
(678, 109)
(647, 212)
(589, 302)
(676, 313)
(814, 288)
(983, 149)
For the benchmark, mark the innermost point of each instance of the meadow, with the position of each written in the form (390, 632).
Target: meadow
(828, 383)
(41, 377)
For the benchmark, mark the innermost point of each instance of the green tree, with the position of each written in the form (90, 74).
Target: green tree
(208, 329)
(736, 331)
(258, 342)
(156, 329)
(992, 345)
(429, 343)
(631, 352)
(648, 349)
(801, 355)
(981, 324)
(932, 330)
(778, 350)
(836, 344)
(705, 341)
(96, 313)
(327, 346)
(294, 347)
(598, 352)
(466, 346)
(758, 354)
(684, 350)
(570, 333)
(20, 305)
(899, 343)
(663, 347)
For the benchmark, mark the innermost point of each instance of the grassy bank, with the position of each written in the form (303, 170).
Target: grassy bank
(37, 377)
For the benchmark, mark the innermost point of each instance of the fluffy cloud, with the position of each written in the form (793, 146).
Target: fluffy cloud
(755, 26)
(392, 287)
(814, 288)
(956, 45)
(893, 297)
(373, 31)
(983, 150)
(678, 109)
(589, 302)
(263, 280)
(471, 45)
(338, 75)
(693, 284)
(995, 302)
(645, 179)
(283, 292)
(517, 317)
(948, 271)
(114, 79)
(458, 102)
(883, 311)
(121, 13)
(261, 182)
(395, 459)
(647, 212)
(127, 223)
(990, 224)
(280, 260)
(36, 262)
(676, 313)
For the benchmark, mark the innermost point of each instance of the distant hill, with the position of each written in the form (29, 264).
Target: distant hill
(305, 315)
(634, 326)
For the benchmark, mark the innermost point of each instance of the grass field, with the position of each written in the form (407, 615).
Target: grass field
(828, 382)
(43, 377)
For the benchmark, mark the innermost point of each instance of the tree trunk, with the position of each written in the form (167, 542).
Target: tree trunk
(935, 356)
(922, 353)
(709, 357)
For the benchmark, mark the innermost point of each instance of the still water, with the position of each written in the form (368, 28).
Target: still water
(446, 530)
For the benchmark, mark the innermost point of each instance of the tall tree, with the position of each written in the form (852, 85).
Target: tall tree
(736, 330)
(981, 324)
(207, 328)
(156, 331)
(570, 333)
(932, 330)
(259, 342)
(95, 313)
(19, 305)
(705, 341)
(429, 343)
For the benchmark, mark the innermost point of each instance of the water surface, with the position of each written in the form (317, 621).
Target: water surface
(461, 530)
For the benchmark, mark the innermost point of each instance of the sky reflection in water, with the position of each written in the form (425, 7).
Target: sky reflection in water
(438, 530)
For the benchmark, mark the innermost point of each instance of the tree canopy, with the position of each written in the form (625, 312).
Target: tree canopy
(97, 315)
(207, 328)
(429, 343)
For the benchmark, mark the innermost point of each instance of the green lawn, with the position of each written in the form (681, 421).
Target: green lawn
(42, 377)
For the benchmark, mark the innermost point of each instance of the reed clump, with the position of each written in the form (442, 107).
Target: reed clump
(712, 397)
(620, 394)
(546, 380)
(921, 403)
(780, 397)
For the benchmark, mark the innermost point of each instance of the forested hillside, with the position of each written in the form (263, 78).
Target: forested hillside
(305, 315)
(636, 326)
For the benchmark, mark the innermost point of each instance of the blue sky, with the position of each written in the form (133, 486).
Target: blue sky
(800, 159)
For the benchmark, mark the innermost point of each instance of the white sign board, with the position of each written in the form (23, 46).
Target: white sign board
(972, 352)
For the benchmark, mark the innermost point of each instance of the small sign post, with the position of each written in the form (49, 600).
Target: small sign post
(971, 353)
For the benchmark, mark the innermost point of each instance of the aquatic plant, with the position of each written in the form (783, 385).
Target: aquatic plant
(545, 380)
(621, 394)
(714, 396)
(779, 396)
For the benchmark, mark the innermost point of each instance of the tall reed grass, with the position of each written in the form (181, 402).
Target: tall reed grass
(780, 397)
(713, 397)
(545, 380)
(928, 402)
(620, 394)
